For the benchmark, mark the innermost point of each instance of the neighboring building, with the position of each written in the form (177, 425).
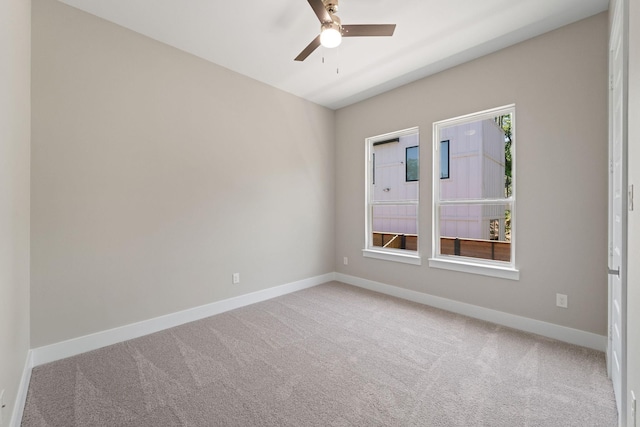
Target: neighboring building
(395, 178)
(472, 160)
(472, 166)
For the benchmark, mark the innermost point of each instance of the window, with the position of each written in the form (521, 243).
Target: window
(474, 193)
(393, 174)
(444, 159)
(411, 162)
(373, 169)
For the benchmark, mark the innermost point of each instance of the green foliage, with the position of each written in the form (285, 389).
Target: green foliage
(505, 123)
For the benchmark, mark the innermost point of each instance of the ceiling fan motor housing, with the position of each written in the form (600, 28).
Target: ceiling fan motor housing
(336, 23)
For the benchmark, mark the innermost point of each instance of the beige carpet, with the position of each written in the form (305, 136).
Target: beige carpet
(332, 355)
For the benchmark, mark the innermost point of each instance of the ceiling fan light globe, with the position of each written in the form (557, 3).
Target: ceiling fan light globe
(330, 37)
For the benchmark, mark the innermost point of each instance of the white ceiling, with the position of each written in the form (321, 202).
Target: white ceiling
(260, 38)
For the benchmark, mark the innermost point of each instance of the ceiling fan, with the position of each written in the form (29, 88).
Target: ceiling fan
(332, 30)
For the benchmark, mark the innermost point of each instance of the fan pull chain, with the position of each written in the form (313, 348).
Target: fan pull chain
(337, 60)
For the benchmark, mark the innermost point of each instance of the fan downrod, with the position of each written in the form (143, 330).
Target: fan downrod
(331, 6)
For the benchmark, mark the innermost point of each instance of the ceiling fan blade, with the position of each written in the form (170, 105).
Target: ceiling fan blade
(319, 9)
(368, 30)
(309, 49)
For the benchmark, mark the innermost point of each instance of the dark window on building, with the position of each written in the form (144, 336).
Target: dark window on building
(444, 159)
(412, 172)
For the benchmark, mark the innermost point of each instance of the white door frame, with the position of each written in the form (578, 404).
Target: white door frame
(618, 154)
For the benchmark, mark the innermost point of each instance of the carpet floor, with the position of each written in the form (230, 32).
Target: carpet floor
(331, 355)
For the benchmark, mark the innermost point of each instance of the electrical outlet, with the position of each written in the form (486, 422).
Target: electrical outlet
(562, 300)
(235, 279)
(345, 260)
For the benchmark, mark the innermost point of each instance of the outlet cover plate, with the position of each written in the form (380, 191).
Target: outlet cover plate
(562, 300)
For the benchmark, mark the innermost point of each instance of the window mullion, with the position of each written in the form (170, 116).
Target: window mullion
(395, 202)
(475, 201)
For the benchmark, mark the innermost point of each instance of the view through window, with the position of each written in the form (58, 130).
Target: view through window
(392, 196)
(474, 191)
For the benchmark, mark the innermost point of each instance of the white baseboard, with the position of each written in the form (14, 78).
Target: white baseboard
(72, 347)
(23, 388)
(550, 330)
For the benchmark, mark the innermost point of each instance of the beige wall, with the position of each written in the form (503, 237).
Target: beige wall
(15, 65)
(633, 277)
(156, 175)
(558, 82)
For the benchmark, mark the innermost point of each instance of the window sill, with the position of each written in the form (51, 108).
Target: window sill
(475, 268)
(396, 256)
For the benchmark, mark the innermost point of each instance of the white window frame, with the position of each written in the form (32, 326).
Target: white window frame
(502, 269)
(388, 254)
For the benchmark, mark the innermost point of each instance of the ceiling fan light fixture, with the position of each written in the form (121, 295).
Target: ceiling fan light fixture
(331, 36)
(332, 30)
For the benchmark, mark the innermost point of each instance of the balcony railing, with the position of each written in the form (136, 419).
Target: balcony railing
(395, 240)
(498, 250)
